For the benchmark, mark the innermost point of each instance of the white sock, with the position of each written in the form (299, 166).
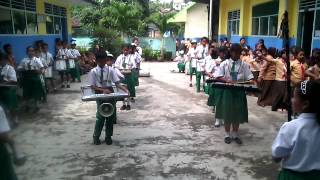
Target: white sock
(235, 134)
(228, 134)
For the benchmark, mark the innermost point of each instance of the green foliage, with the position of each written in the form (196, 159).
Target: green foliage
(108, 39)
(151, 55)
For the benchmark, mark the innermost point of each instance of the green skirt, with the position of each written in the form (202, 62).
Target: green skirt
(218, 101)
(32, 85)
(135, 75)
(130, 82)
(6, 167)
(211, 99)
(292, 175)
(181, 67)
(233, 106)
(8, 98)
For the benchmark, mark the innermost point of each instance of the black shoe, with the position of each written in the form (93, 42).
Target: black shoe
(96, 141)
(237, 140)
(108, 140)
(227, 140)
(124, 107)
(128, 107)
(68, 86)
(190, 85)
(132, 100)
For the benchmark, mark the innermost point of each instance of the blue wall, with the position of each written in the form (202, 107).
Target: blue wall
(316, 43)
(20, 42)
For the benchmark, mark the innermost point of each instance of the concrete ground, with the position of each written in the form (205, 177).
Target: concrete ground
(168, 134)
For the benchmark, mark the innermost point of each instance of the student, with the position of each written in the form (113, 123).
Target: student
(75, 72)
(8, 95)
(31, 68)
(48, 59)
(9, 52)
(314, 71)
(63, 65)
(124, 62)
(38, 54)
(234, 108)
(201, 52)
(101, 79)
(297, 66)
(243, 44)
(192, 60)
(136, 57)
(266, 78)
(180, 62)
(137, 43)
(211, 68)
(298, 141)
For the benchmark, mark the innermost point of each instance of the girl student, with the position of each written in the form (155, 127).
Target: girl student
(297, 144)
(314, 71)
(210, 70)
(31, 68)
(234, 109)
(48, 74)
(192, 60)
(298, 66)
(124, 62)
(266, 78)
(280, 95)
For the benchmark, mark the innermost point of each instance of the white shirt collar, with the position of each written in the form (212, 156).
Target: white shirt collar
(307, 116)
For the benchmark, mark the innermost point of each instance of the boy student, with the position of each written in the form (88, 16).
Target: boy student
(192, 60)
(9, 52)
(125, 62)
(75, 72)
(298, 141)
(63, 64)
(136, 57)
(101, 79)
(8, 95)
(48, 59)
(201, 52)
(234, 108)
(31, 68)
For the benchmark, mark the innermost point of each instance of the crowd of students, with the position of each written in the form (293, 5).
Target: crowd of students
(297, 141)
(35, 74)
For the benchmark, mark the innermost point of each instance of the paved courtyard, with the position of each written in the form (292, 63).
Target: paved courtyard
(168, 134)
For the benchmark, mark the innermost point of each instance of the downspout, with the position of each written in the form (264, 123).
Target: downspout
(210, 19)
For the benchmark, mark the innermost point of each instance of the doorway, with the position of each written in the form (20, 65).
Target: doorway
(305, 30)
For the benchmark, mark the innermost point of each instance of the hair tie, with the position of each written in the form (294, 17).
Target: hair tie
(304, 87)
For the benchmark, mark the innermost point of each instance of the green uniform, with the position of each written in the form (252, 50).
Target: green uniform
(211, 93)
(292, 175)
(135, 74)
(8, 98)
(6, 167)
(130, 82)
(75, 72)
(181, 67)
(199, 74)
(32, 85)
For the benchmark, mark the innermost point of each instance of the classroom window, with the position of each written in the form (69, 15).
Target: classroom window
(49, 25)
(5, 21)
(317, 24)
(54, 22)
(234, 22)
(265, 19)
(18, 17)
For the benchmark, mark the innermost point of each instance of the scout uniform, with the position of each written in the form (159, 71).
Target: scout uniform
(126, 62)
(297, 72)
(31, 81)
(201, 53)
(298, 143)
(6, 167)
(8, 95)
(75, 72)
(267, 75)
(232, 108)
(104, 78)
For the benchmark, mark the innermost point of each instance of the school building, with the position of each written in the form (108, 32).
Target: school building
(22, 22)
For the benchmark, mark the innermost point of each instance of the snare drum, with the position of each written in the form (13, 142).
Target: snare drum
(71, 64)
(61, 65)
(48, 72)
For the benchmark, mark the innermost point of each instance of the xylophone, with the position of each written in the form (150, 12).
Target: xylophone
(240, 85)
(89, 95)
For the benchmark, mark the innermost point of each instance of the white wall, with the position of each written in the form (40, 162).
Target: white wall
(197, 21)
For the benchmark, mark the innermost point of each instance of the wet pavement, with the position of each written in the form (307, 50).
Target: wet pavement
(168, 134)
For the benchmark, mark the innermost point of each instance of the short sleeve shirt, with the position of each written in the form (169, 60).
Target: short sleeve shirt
(47, 58)
(30, 64)
(8, 73)
(125, 62)
(241, 68)
(109, 78)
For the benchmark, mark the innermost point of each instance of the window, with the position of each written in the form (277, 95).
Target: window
(55, 15)
(265, 19)
(18, 17)
(234, 22)
(5, 21)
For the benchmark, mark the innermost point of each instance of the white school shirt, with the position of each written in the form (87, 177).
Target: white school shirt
(110, 77)
(30, 64)
(192, 56)
(74, 53)
(242, 69)
(129, 62)
(8, 73)
(64, 54)
(118, 72)
(201, 53)
(47, 58)
(298, 142)
(4, 125)
(136, 58)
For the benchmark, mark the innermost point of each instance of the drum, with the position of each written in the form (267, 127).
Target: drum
(61, 65)
(71, 64)
(89, 95)
(48, 72)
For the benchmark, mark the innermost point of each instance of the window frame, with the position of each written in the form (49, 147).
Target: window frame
(53, 15)
(231, 19)
(268, 25)
(25, 11)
